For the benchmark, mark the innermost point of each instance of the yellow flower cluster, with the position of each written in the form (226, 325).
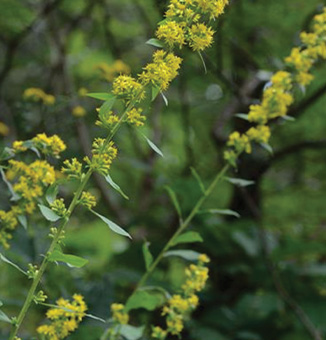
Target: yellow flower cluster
(59, 207)
(88, 200)
(103, 154)
(8, 222)
(128, 88)
(72, 168)
(180, 305)
(64, 319)
(107, 119)
(110, 71)
(135, 117)
(162, 70)
(47, 145)
(182, 24)
(38, 95)
(4, 129)
(118, 313)
(277, 97)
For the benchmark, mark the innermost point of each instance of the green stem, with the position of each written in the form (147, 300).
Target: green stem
(182, 227)
(38, 277)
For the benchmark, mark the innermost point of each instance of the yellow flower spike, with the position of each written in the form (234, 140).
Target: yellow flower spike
(118, 314)
(72, 168)
(4, 129)
(128, 88)
(88, 200)
(58, 206)
(158, 333)
(135, 117)
(203, 258)
(38, 95)
(200, 37)
(171, 33)
(259, 134)
(18, 146)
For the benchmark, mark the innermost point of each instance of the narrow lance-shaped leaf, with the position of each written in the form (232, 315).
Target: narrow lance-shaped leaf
(189, 255)
(242, 116)
(155, 92)
(71, 260)
(107, 106)
(148, 257)
(131, 332)
(188, 237)
(203, 61)
(4, 259)
(48, 213)
(113, 226)
(14, 195)
(153, 146)
(174, 200)
(221, 212)
(115, 186)
(101, 96)
(239, 181)
(4, 317)
(200, 182)
(51, 193)
(155, 42)
(165, 99)
(267, 147)
(22, 220)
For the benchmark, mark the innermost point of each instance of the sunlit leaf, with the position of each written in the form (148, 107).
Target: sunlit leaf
(188, 237)
(101, 96)
(48, 213)
(115, 186)
(155, 42)
(4, 259)
(146, 299)
(189, 255)
(153, 146)
(239, 181)
(174, 200)
(71, 260)
(221, 212)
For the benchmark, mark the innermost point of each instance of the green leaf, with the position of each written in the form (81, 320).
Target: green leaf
(155, 92)
(155, 42)
(147, 299)
(221, 212)
(114, 227)
(189, 255)
(94, 317)
(267, 147)
(153, 146)
(22, 220)
(200, 182)
(14, 195)
(131, 332)
(4, 317)
(174, 199)
(4, 259)
(115, 186)
(107, 106)
(6, 154)
(249, 245)
(242, 116)
(48, 213)
(203, 61)
(239, 182)
(71, 260)
(101, 96)
(148, 257)
(166, 102)
(51, 193)
(188, 237)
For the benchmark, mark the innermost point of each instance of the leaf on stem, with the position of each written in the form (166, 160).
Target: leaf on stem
(153, 146)
(115, 186)
(189, 255)
(147, 299)
(155, 42)
(203, 61)
(48, 213)
(4, 317)
(22, 220)
(188, 237)
(242, 116)
(155, 92)
(71, 260)
(165, 99)
(199, 180)
(148, 257)
(131, 332)
(51, 193)
(221, 212)
(239, 181)
(113, 226)
(267, 147)
(174, 200)
(6, 154)
(4, 259)
(14, 195)
(107, 106)
(101, 96)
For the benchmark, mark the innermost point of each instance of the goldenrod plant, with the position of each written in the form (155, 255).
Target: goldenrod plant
(34, 185)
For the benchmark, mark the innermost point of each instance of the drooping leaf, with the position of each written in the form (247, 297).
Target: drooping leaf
(131, 332)
(48, 213)
(6, 154)
(200, 182)
(51, 193)
(153, 146)
(267, 147)
(221, 212)
(14, 195)
(148, 257)
(188, 237)
(242, 116)
(203, 61)
(189, 255)
(101, 96)
(115, 186)
(166, 102)
(4, 317)
(94, 317)
(107, 106)
(4, 259)
(239, 181)
(155, 42)
(71, 260)
(22, 220)
(113, 226)
(147, 299)
(155, 92)
(249, 245)
(174, 200)
(288, 118)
